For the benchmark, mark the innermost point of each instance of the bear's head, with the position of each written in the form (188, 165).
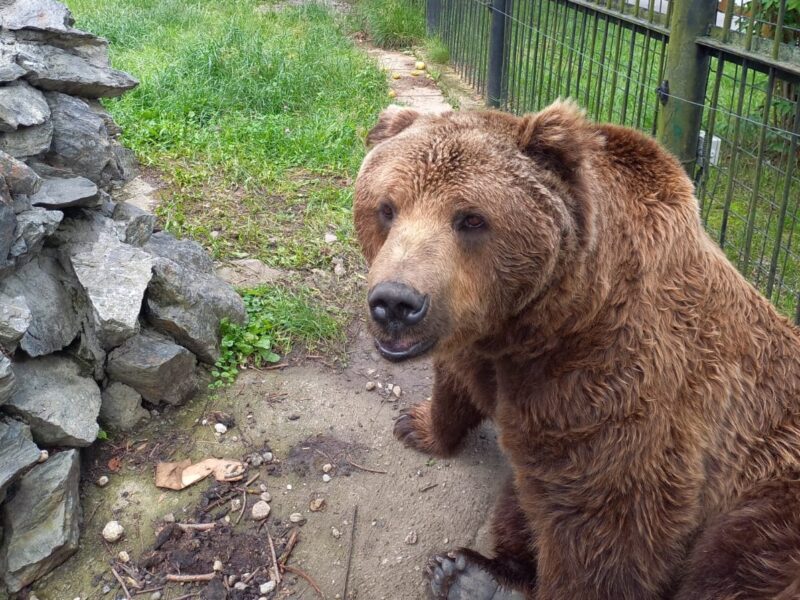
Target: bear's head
(465, 219)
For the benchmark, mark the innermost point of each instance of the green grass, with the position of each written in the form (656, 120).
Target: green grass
(278, 317)
(436, 51)
(393, 23)
(253, 115)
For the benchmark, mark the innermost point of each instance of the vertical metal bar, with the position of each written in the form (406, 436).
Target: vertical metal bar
(787, 187)
(712, 121)
(615, 71)
(556, 35)
(497, 51)
(628, 79)
(723, 230)
(762, 142)
(592, 59)
(728, 21)
(598, 94)
(686, 72)
(776, 45)
(433, 14)
(755, 8)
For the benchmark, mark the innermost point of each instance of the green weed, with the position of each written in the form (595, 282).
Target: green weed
(393, 23)
(277, 318)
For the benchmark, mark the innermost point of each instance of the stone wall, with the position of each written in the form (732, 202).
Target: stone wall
(98, 313)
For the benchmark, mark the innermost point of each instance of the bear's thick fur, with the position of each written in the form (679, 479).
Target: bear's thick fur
(645, 394)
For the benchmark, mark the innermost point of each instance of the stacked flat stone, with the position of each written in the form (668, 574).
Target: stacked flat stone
(97, 312)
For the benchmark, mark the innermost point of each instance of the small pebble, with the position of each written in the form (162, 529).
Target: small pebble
(217, 565)
(411, 538)
(371, 372)
(124, 556)
(262, 487)
(370, 386)
(113, 531)
(169, 518)
(232, 579)
(317, 504)
(236, 504)
(339, 270)
(106, 588)
(260, 510)
(293, 417)
(235, 439)
(256, 460)
(327, 467)
(220, 428)
(102, 481)
(297, 518)
(204, 422)
(266, 588)
(326, 478)
(267, 456)
(288, 486)
(154, 412)
(155, 595)
(265, 496)
(396, 390)
(336, 533)
(43, 456)
(330, 238)
(240, 586)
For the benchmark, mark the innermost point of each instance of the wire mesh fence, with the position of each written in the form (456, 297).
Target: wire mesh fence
(741, 128)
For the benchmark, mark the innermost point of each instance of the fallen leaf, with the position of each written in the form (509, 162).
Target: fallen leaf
(115, 464)
(180, 475)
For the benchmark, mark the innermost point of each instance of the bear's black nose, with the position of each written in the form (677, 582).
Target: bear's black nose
(394, 304)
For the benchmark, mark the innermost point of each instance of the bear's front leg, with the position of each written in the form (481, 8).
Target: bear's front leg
(437, 426)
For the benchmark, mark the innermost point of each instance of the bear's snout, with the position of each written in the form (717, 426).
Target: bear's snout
(395, 307)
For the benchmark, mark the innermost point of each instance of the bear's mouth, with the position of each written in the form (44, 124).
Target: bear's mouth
(402, 349)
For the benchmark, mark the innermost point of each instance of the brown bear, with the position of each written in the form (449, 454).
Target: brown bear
(646, 396)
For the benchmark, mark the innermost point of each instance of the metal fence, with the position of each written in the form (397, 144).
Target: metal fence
(716, 82)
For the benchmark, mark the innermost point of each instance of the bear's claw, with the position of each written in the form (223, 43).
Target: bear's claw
(405, 431)
(453, 577)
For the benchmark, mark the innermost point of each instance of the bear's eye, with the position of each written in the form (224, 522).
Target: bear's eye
(471, 222)
(386, 211)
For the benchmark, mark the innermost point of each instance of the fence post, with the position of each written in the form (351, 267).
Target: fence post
(432, 13)
(685, 76)
(497, 53)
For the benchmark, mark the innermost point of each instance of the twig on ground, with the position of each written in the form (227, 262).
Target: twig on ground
(251, 480)
(276, 570)
(190, 578)
(122, 583)
(185, 596)
(94, 512)
(428, 487)
(367, 469)
(197, 526)
(307, 577)
(253, 574)
(350, 552)
(289, 546)
(148, 591)
(244, 507)
(275, 367)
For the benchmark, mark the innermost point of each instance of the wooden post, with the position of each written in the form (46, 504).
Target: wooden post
(682, 92)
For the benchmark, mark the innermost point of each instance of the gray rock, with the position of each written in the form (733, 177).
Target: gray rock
(17, 452)
(9, 69)
(138, 224)
(41, 520)
(8, 224)
(35, 14)
(155, 366)
(114, 276)
(54, 321)
(59, 404)
(83, 228)
(6, 379)
(21, 179)
(55, 69)
(88, 351)
(15, 317)
(81, 141)
(188, 302)
(27, 141)
(33, 227)
(186, 253)
(122, 407)
(21, 105)
(66, 193)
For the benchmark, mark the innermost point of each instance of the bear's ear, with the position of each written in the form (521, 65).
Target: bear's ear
(559, 138)
(391, 121)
